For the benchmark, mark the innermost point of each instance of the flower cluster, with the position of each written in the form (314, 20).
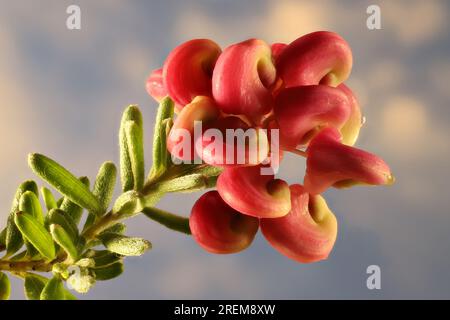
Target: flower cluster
(294, 98)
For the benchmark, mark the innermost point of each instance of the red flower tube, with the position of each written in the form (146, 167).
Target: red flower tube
(331, 163)
(231, 142)
(302, 111)
(247, 191)
(318, 57)
(218, 228)
(181, 139)
(242, 79)
(188, 69)
(307, 233)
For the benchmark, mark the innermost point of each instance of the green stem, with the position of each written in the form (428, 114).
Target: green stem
(169, 220)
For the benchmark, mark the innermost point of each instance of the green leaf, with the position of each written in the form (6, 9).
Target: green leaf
(117, 228)
(109, 272)
(135, 138)
(62, 218)
(36, 233)
(104, 258)
(104, 184)
(29, 203)
(5, 287)
(125, 246)
(170, 220)
(72, 209)
(34, 284)
(187, 183)
(128, 204)
(63, 181)
(3, 240)
(14, 240)
(54, 290)
(163, 123)
(62, 238)
(132, 113)
(49, 199)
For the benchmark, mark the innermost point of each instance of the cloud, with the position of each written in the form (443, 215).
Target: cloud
(414, 22)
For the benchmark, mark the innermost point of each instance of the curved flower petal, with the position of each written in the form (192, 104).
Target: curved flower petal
(331, 163)
(277, 49)
(188, 69)
(181, 139)
(247, 191)
(307, 233)
(318, 57)
(242, 79)
(231, 142)
(350, 130)
(218, 228)
(302, 111)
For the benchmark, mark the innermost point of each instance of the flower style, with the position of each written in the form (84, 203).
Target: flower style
(294, 93)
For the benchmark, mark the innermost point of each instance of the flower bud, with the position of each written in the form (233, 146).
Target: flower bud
(307, 233)
(154, 85)
(302, 111)
(180, 141)
(242, 79)
(218, 228)
(246, 190)
(331, 163)
(231, 142)
(350, 130)
(188, 69)
(318, 57)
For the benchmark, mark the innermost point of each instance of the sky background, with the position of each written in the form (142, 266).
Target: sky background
(62, 93)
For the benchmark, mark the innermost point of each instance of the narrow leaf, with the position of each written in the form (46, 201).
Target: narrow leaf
(49, 199)
(104, 184)
(62, 238)
(104, 258)
(117, 228)
(54, 290)
(3, 240)
(188, 183)
(135, 135)
(60, 217)
(132, 113)
(165, 112)
(125, 246)
(14, 240)
(65, 182)
(35, 233)
(109, 272)
(34, 284)
(5, 287)
(29, 203)
(72, 209)
(129, 203)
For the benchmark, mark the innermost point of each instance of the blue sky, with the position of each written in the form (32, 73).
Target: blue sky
(63, 92)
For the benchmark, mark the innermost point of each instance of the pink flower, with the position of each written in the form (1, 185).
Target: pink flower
(307, 233)
(331, 163)
(294, 93)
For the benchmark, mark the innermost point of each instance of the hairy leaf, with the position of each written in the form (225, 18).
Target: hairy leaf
(64, 181)
(62, 238)
(36, 233)
(49, 199)
(132, 113)
(5, 287)
(125, 246)
(34, 284)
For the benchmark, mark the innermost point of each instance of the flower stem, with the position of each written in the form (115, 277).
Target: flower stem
(169, 220)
